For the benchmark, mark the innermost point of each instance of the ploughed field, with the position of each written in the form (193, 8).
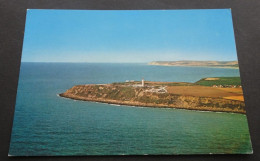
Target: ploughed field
(223, 98)
(201, 91)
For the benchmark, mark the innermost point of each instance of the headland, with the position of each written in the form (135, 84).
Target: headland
(212, 64)
(220, 94)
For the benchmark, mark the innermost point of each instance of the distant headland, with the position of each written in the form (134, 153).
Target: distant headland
(222, 94)
(215, 64)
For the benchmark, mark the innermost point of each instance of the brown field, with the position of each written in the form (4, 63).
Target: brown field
(233, 90)
(211, 78)
(239, 98)
(203, 91)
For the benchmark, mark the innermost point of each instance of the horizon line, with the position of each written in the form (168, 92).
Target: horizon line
(74, 62)
(125, 62)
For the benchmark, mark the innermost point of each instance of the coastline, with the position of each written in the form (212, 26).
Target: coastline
(189, 63)
(193, 66)
(140, 104)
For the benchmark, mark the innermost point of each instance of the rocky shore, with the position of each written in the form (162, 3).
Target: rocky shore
(133, 95)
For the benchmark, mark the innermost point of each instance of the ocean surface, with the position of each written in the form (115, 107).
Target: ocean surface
(46, 124)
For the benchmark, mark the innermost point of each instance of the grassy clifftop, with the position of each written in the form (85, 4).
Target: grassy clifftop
(159, 94)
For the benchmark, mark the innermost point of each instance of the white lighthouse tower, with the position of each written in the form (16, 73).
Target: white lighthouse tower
(143, 82)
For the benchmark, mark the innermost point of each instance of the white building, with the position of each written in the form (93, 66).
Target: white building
(142, 82)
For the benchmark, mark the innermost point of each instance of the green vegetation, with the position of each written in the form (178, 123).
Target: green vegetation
(178, 84)
(126, 93)
(221, 81)
(131, 93)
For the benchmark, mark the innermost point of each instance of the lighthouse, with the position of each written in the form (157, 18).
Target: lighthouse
(143, 82)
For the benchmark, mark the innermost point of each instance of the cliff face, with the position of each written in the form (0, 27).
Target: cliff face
(145, 96)
(220, 64)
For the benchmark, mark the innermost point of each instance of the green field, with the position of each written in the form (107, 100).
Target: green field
(221, 81)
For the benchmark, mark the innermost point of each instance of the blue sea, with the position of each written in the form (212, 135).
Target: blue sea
(48, 125)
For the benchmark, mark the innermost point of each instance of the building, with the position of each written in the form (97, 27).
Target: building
(142, 82)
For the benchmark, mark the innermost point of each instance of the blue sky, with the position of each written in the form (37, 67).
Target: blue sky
(128, 35)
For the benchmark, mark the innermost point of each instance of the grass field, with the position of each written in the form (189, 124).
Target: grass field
(219, 81)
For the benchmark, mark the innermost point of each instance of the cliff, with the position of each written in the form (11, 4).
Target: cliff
(153, 95)
(215, 64)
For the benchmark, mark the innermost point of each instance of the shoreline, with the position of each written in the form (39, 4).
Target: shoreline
(151, 105)
(118, 105)
(192, 66)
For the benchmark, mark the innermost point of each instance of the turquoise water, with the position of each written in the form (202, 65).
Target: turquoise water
(45, 124)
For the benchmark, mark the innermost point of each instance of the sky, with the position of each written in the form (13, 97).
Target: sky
(128, 36)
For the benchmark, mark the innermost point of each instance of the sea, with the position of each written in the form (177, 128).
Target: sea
(48, 125)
